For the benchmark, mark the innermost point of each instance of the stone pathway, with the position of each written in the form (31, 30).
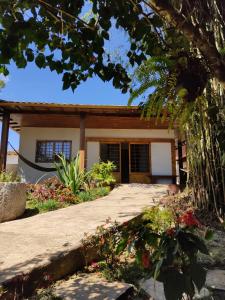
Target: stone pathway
(93, 287)
(32, 243)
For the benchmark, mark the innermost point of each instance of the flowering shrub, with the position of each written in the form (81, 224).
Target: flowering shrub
(51, 189)
(165, 246)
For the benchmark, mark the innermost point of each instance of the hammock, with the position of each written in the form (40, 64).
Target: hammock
(31, 164)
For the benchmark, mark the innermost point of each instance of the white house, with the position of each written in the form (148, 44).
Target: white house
(143, 151)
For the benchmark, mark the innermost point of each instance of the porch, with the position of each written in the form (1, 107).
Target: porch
(144, 151)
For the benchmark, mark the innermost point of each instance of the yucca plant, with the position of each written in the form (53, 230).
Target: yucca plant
(70, 173)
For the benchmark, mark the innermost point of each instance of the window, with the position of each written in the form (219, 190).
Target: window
(139, 157)
(47, 151)
(111, 152)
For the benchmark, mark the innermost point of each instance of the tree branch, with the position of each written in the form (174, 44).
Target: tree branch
(193, 34)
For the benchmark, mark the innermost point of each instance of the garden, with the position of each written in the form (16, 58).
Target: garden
(69, 186)
(172, 62)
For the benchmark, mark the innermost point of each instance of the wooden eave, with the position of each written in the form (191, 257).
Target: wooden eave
(32, 114)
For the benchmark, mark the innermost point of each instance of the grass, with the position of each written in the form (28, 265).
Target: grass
(45, 206)
(35, 206)
(93, 194)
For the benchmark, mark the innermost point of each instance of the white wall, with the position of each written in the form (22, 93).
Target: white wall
(161, 159)
(93, 154)
(29, 136)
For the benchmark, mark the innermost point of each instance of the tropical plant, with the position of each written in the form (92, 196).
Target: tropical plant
(70, 173)
(101, 173)
(165, 246)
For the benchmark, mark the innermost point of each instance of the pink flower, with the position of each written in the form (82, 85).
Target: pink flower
(95, 265)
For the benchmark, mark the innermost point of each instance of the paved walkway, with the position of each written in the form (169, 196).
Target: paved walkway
(30, 243)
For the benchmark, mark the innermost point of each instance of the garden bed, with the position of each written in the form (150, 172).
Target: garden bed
(71, 186)
(51, 195)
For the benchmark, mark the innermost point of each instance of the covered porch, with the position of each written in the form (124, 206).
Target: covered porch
(136, 155)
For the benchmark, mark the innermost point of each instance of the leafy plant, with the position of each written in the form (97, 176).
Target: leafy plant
(70, 174)
(101, 173)
(51, 189)
(45, 206)
(166, 250)
(52, 194)
(9, 177)
(93, 194)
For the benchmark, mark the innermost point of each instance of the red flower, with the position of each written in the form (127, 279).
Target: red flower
(189, 219)
(146, 262)
(170, 232)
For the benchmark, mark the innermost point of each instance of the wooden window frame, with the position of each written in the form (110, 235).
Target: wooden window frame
(117, 143)
(37, 160)
(149, 157)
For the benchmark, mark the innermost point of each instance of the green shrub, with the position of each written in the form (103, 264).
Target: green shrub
(45, 206)
(93, 194)
(70, 174)
(159, 219)
(101, 173)
(9, 177)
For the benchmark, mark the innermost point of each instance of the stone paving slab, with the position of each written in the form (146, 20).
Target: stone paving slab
(93, 287)
(31, 243)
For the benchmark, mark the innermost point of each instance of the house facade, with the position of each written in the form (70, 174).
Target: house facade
(142, 150)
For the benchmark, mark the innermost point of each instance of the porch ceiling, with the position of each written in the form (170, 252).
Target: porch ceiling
(29, 114)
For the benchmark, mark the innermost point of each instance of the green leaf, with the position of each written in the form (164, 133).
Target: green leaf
(40, 60)
(174, 284)
(138, 256)
(121, 246)
(200, 244)
(29, 54)
(157, 268)
(198, 275)
(209, 234)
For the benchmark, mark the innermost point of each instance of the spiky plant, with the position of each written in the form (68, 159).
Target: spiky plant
(70, 173)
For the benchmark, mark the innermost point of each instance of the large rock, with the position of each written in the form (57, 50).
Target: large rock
(216, 247)
(12, 200)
